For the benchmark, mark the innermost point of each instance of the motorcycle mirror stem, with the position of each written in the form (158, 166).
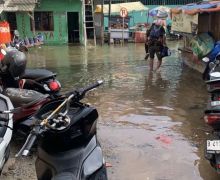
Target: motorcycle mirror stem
(212, 65)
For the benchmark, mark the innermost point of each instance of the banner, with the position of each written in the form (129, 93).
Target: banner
(185, 23)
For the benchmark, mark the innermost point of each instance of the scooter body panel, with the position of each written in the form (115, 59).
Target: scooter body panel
(73, 161)
(6, 133)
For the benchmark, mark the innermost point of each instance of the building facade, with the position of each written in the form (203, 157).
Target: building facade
(59, 22)
(62, 22)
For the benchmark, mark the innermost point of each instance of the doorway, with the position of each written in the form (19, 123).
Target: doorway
(11, 18)
(73, 27)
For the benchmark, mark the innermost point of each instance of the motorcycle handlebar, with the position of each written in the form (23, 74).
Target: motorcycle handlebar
(98, 83)
(79, 94)
(24, 151)
(36, 131)
(29, 145)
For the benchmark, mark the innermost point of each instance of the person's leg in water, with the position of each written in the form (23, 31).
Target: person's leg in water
(159, 57)
(151, 54)
(146, 51)
(159, 62)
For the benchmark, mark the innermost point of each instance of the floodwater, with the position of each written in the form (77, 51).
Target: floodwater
(150, 124)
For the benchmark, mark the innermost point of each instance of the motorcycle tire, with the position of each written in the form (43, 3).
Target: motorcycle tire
(101, 174)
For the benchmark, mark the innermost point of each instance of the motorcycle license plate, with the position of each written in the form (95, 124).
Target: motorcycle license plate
(213, 146)
(215, 103)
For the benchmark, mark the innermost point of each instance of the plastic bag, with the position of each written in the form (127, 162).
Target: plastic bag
(165, 51)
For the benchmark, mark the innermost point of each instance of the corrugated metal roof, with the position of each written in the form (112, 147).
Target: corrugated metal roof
(115, 8)
(18, 5)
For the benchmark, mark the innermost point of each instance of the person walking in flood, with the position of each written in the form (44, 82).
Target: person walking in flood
(156, 40)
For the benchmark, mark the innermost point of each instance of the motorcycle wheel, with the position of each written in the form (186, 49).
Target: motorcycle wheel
(101, 174)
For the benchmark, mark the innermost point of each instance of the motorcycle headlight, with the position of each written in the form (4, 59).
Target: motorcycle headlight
(205, 59)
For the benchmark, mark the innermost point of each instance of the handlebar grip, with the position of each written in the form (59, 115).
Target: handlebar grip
(29, 145)
(98, 83)
(81, 92)
(24, 151)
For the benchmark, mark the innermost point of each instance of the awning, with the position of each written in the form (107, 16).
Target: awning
(17, 5)
(115, 8)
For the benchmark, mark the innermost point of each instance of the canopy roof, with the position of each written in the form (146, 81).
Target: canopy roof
(115, 8)
(194, 8)
(17, 5)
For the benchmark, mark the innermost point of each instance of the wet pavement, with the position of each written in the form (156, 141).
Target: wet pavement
(150, 124)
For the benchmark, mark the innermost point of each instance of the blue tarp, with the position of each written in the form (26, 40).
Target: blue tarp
(199, 6)
(214, 51)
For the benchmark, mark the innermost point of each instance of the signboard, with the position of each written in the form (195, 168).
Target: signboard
(185, 23)
(123, 12)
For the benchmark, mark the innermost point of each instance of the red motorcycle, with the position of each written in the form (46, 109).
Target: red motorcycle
(13, 73)
(27, 102)
(40, 86)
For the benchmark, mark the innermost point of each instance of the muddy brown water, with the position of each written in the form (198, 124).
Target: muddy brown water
(150, 124)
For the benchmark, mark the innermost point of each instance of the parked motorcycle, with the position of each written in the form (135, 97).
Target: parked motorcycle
(11, 69)
(68, 147)
(13, 73)
(172, 35)
(212, 75)
(212, 113)
(212, 118)
(6, 125)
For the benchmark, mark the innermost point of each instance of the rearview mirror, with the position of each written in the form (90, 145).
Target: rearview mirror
(205, 59)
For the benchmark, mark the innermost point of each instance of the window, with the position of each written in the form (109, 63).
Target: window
(43, 21)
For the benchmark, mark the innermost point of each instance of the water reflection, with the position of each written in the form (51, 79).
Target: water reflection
(155, 88)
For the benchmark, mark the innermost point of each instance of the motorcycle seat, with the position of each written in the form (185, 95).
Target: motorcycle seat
(37, 74)
(65, 175)
(24, 97)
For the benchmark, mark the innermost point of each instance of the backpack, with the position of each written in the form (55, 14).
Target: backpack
(155, 32)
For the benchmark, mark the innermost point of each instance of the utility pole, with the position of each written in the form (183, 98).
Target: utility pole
(102, 24)
(109, 18)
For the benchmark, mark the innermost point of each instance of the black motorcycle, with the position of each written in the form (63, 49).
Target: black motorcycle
(212, 113)
(212, 118)
(68, 147)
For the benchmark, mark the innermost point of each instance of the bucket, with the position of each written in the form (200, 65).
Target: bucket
(5, 36)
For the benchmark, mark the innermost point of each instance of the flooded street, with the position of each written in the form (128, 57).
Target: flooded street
(150, 124)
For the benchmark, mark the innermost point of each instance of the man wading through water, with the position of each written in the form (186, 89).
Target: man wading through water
(156, 40)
